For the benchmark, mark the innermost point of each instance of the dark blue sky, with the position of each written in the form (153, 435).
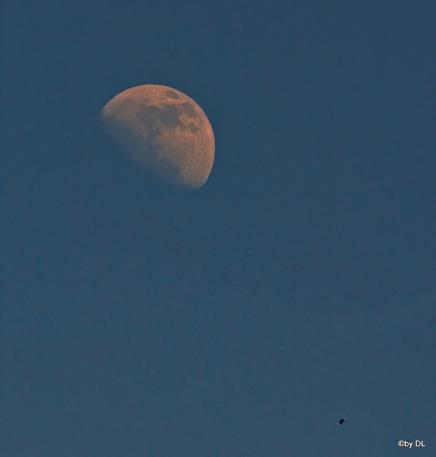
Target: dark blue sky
(244, 319)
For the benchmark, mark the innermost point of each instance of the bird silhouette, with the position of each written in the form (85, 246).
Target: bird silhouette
(342, 421)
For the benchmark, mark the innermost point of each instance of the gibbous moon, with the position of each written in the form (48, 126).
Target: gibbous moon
(164, 131)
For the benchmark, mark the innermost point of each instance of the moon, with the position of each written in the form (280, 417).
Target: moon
(164, 131)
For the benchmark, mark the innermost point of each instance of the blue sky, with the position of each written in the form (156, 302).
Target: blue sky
(243, 319)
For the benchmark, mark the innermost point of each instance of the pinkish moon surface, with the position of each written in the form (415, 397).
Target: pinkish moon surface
(163, 130)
